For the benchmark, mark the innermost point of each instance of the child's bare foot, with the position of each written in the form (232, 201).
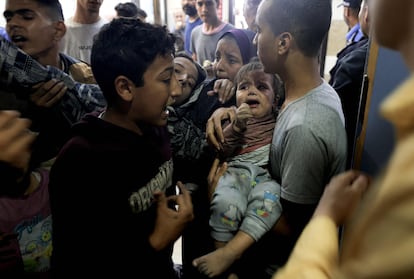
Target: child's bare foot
(215, 263)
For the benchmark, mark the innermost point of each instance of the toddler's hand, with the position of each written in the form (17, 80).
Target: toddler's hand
(243, 114)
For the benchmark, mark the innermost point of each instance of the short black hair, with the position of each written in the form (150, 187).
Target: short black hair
(253, 65)
(127, 46)
(307, 21)
(127, 9)
(54, 9)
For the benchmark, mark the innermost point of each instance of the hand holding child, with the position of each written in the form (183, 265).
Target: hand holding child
(214, 129)
(48, 93)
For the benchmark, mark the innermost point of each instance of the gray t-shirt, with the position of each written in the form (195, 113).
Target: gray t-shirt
(204, 45)
(309, 145)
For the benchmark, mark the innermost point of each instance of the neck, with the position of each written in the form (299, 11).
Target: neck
(52, 59)
(85, 17)
(301, 77)
(193, 18)
(120, 119)
(213, 23)
(352, 22)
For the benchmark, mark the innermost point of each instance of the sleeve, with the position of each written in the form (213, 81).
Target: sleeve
(26, 71)
(233, 141)
(315, 255)
(192, 42)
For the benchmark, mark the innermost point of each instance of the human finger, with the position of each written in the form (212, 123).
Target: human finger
(48, 93)
(227, 91)
(56, 94)
(216, 172)
(6, 117)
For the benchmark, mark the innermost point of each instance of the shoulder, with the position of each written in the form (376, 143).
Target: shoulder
(228, 26)
(319, 109)
(197, 30)
(79, 70)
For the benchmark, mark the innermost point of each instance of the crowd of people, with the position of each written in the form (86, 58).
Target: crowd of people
(118, 137)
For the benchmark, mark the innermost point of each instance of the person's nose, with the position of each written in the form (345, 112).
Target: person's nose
(217, 65)
(252, 90)
(13, 21)
(176, 89)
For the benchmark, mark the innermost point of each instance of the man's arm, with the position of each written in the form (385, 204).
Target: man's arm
(17, 67)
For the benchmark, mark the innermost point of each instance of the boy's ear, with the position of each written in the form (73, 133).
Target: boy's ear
(60, 30)
(285, 41)
(123, 87)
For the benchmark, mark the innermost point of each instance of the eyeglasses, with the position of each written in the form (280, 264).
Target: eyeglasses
(206, 3)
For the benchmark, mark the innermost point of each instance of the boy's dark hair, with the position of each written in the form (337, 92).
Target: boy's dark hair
(127, 47)
(254, 65)
(127, 9)
(307, 21)
(200, 70)
(52, 7)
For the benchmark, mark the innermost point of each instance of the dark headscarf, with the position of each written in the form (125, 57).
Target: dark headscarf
(244, 39)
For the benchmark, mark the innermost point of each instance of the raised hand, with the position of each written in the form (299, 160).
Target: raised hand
(171, 222)
(342, 196)
(224, 88)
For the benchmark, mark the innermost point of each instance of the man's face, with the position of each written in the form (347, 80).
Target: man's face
(30, 28)
(92, 6)
(207, 10)
(189, 7)
(387, 17)
(265, 40)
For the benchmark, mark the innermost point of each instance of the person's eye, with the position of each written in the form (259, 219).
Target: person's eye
(242, 86)
(167, 81)
(8, 15)
(262, 87)
(27, 15)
